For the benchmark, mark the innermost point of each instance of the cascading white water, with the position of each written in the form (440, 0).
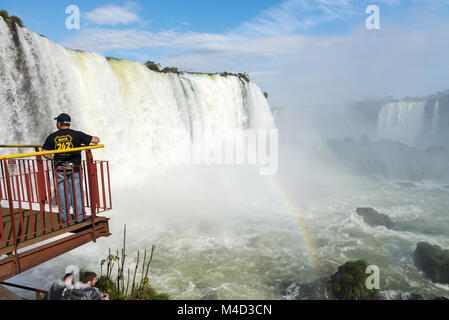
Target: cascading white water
(436, 117)
(141, 115)
(402, 121)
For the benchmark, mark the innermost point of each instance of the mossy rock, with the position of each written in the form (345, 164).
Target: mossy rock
(374, 218)
(349, 282)
(433, 261)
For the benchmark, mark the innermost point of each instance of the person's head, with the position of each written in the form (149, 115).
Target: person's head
(90, 278)
(69, 279)
(63, 121)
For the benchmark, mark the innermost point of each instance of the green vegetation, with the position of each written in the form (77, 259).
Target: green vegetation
(112, 58)
(242, 76)
(433, 261)
(265, 95)
(153, 66)
(170, 70)
(10, 20)
(4, 14)
(349, 282)
(127, 288)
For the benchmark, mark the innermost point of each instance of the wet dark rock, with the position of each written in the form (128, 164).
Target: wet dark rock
(441, 298)
(349, 282)
(433, 261)
(415, 296)
(374, 218)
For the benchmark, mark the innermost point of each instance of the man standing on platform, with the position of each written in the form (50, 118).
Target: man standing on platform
(68, 165)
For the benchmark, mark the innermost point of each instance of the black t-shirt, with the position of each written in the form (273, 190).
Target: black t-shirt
(67, 139)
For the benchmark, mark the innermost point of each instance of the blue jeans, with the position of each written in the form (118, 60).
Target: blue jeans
(65, 207)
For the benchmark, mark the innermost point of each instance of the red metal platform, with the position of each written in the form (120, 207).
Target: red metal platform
(30, 210)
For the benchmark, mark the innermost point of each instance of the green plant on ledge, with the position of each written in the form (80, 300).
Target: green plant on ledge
(153, 66)
(120, 288)
(170, 70)
(10, 20)
(241, 76)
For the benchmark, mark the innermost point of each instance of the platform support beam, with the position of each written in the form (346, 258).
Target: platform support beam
(39, 255)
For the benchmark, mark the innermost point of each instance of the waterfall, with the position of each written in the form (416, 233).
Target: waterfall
(435, 117)
(402, 121)
(139, 114)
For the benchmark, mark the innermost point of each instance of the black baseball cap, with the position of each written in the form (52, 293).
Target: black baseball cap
(64, 118)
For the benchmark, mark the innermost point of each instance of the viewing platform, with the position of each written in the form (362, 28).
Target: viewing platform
(32, 225)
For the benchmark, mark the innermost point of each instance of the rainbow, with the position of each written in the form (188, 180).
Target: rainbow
(291, 207)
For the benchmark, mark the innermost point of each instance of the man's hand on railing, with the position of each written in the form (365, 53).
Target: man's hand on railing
(49, 156)
(95, 140)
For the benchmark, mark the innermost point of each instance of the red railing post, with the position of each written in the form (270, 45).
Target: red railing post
(1, 180)
(11, 212)
(42, 194)
(93, 188)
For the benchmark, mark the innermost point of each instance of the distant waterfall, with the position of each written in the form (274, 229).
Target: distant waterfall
(142, 115)
(402, 121)
(435, 117)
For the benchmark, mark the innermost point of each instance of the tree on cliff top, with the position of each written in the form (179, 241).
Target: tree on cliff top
(153, 66)
(10, 20)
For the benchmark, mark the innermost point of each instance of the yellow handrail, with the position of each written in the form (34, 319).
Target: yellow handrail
(20, 146)
(26, 155)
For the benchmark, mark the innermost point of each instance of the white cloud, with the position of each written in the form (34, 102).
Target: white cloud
(107, 39)
(113, 15)
(297, 15)
(299, 68)
(331, 70)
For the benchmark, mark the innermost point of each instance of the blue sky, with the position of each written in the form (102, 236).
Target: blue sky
(294, 49)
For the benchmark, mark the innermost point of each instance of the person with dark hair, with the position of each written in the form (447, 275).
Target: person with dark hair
(68, 165)
(59, 290)
(87, 290)
(90, 278)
